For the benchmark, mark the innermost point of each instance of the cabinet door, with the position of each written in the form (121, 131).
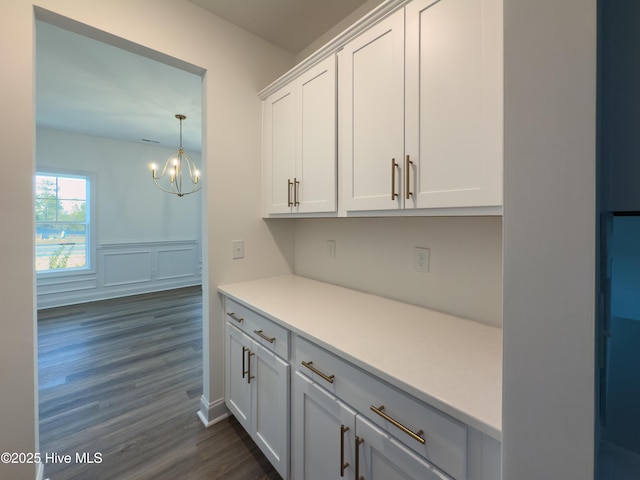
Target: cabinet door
(321, 440)
(371, 127)
(454, 102)
(381, 457)
(237, 387)
(316, 139)
(270, 398)
(279, 150)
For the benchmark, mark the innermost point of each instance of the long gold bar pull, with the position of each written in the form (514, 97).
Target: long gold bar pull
(394, 165)
(343, 429)
(296, 184)
(407, 176)
(415, 435)
(235, 317)
(289, 183)
(309, 365)
(262, 335)
(249, 376)
(359, 442)
(244, 372)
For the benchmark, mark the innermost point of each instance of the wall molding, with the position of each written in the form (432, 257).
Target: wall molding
(212, 413)
(125, 268)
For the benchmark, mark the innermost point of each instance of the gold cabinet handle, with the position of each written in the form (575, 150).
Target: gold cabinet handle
(235, 317)
(394, 165)
(343, 429)
(262, 335)
(296, 184)
(359, 441)
(249, 376)
(407, 177)
(244, 371)
(309, 365)
(415, 435)
(289, 183)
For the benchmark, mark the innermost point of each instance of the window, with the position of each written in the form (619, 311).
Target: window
(62, 222)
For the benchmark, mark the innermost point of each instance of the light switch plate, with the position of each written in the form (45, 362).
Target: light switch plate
(238, 249)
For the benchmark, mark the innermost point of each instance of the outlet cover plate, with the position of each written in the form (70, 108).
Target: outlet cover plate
(421, 259)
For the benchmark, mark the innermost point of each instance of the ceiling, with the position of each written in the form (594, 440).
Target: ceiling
(89, 87)
(290, 24)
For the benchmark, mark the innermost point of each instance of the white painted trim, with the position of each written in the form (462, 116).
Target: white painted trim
(146, 243)
(80, 287)
(40, 471)
(333, 46)
(212, 413)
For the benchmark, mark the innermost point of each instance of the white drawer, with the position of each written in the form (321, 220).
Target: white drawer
(445, 439)
(271, 335)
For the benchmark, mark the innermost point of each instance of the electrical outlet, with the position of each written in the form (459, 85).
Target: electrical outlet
(238, 249)
(421, 259)
(331, 248)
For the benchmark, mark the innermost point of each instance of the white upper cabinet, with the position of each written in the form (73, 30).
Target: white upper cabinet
(299, 142)
(420, 109)
(279, 111)
(371, 96)
(453, 104)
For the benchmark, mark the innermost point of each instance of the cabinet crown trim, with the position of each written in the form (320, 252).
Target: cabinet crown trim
(334, 45)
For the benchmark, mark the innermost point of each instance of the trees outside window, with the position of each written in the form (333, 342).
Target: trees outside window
(62, 222)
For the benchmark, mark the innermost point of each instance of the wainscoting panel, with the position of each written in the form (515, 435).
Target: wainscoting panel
(125, 268)
(176, 263)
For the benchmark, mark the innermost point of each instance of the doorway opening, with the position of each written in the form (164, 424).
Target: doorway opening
(106, 113)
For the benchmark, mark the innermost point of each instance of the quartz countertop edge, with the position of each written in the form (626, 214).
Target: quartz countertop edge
(459, 370)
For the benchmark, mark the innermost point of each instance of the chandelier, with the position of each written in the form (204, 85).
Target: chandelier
(178, 169)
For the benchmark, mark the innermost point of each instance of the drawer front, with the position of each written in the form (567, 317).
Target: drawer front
(269, 334)
(400, 415)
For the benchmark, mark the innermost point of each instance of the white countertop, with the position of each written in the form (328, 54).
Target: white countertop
(449, 362)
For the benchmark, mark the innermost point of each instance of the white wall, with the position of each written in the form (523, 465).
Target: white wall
(238, 65)
(129, 206)
(133, 218)
(376, 255)
(549, 239)
(17, 316)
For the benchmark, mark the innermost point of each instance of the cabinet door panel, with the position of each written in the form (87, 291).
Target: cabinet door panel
(384, 458)
(316, 165)
(279, 148)
(237, 389)
(270, 396)
(318, 416)
(453, 106)
(372, 115)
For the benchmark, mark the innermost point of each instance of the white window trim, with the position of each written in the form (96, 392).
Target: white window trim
(92, 251)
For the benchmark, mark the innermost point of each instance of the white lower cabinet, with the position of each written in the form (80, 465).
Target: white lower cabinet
(257, 393)
(324, 433)
(380, 457)
(344, 422)
(237, 388)
(332, 441)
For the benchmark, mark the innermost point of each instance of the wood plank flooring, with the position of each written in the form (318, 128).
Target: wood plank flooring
(123, 378)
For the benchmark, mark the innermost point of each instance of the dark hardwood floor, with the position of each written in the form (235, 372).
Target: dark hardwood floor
(120, 381)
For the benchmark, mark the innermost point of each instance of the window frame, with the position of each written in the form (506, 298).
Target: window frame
(91, 250)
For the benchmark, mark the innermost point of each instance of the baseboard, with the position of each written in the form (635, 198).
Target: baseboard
(212, 413)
